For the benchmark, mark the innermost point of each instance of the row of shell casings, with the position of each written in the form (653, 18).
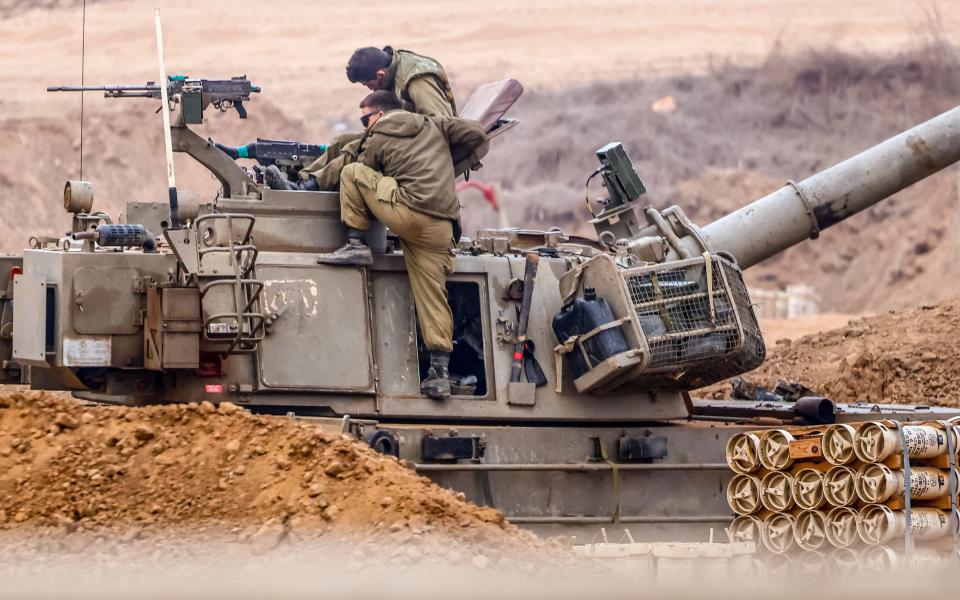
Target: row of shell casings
(841, 444)
(841, 485)
(840, 527)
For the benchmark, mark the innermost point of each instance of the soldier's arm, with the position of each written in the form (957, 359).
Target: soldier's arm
(462, 134)
(328, 176)
(429, 99)
(372, 153)
(343, 142)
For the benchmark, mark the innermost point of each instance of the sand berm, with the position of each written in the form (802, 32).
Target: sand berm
(76, 474)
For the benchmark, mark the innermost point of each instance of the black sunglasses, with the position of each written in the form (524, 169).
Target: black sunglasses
(366, 118)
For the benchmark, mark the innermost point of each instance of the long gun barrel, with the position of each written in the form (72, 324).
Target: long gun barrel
(800, 211)
(150, 90)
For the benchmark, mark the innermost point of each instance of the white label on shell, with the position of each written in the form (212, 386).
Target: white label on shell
(88, 351)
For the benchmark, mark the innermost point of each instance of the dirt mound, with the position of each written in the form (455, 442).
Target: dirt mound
(75, 471)
(903, 357)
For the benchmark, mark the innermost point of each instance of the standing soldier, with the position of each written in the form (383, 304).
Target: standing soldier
(404, 178)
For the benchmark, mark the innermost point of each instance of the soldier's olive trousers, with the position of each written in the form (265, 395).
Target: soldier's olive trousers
(426, 242)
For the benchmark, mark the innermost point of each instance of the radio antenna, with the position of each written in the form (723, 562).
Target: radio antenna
(83, 70)
(165, 109)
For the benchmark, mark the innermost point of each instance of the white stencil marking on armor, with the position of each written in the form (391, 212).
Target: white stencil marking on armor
(89, 351)
(277, 295)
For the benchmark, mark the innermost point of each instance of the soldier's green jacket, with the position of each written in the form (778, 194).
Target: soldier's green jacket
(416, 151)
(420, 82)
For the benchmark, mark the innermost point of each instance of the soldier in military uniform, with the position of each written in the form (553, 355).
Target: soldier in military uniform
(404, 177)
(419, 81)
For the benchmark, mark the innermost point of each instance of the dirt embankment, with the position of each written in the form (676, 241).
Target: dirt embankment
(78, 473)
(903, 357)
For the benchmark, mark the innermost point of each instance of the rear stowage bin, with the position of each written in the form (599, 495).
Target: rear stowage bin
(686, 323)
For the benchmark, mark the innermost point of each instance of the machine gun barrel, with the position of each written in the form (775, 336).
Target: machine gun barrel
(147, 90)
(799, 211)
(221, 93)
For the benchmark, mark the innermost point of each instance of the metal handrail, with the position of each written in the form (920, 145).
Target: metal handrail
(251, 325)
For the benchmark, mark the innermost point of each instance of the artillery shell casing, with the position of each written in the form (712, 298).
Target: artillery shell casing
(842, 527)
(840, 486)
(837, 444)
(878, 560)
(880, 524)
(743, 494)
(743, 452)
(778, 565)
(746, 528)
(775, 449)
(875, 442)
(808, 489)
(776, 491)
(811, 563)
(810, 530)
(884, 559)
(777, 533)
(877, 483)
(844, 561)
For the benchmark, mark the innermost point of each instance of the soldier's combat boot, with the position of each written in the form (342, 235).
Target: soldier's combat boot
(437, 383)
(355, 252)
(276, 180)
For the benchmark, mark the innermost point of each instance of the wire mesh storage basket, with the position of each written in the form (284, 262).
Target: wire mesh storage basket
(697, 319)
(690, 322)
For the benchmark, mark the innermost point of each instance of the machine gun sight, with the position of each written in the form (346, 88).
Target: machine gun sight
(193, 95)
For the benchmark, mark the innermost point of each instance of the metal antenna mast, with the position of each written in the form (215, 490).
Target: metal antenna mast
(83, 59)
(165, 109)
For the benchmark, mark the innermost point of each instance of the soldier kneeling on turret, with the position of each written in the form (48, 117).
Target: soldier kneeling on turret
(404, 177)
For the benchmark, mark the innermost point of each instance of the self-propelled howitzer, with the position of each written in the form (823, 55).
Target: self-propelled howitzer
(233, 307)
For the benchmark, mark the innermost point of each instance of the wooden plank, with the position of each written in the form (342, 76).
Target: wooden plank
(806, 448)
